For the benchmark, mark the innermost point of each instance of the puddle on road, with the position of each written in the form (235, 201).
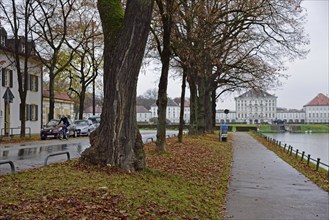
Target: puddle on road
(41, 152)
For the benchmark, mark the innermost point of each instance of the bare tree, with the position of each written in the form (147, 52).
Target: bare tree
(87, 57)
(21, 46)
(52, 28)
(228, 45)
(165, 12)
(117, 141)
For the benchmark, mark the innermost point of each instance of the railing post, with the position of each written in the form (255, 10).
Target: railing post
(296, 153)
(56, 154)
(317, 164)
(284, 149)
(12, 166)
(290, 150)
(302, 156)
(308, 159)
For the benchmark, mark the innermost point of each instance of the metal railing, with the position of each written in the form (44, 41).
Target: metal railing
(295, 152)
(10, 163)
(56, 154)
(11, 132)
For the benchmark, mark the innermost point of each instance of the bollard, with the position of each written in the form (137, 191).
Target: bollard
(296, 153)
(308, 159)
(302, 156)
(290, 151)
(284, 149)
(317, 164)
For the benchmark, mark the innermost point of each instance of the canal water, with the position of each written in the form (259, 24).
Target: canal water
(315, 144)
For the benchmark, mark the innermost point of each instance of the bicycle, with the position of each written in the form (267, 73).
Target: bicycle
(63, 132)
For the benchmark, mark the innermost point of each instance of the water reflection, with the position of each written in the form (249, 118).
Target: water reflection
(316, 144)
(41, 151)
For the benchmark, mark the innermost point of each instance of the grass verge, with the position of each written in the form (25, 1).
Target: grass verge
(188, 182)
(319, 177)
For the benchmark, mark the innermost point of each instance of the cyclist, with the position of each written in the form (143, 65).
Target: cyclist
(66, 125)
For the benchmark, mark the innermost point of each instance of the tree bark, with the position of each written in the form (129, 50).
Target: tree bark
(213, 107)
(117, 141)
(193, 105)
(182, 108)
(82, 101)
(165, 11)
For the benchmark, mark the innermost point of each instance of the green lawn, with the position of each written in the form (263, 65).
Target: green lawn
(190, 181)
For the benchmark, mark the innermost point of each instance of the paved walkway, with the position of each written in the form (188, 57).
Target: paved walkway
(265, 187)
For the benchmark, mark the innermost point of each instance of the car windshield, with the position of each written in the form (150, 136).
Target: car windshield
(81, 123)
(95, 120)
(53, 122)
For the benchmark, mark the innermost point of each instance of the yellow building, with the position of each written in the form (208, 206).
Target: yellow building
(64, 105)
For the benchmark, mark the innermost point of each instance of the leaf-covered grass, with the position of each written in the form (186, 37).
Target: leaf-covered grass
(188, 182)
(319, 177)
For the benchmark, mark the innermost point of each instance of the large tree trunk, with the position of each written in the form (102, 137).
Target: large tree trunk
(117, 141)
(213, 107)
(193, 106)
(82, 101)
(166, 13)
(51, 96)
(182, 108)
(208, 111)
(201, 106)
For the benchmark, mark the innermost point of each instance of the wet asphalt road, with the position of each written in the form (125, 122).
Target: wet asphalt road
(33, 154)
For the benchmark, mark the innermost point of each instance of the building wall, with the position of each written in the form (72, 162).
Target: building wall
(316, 114)
(62, 107)
(221, 117)
(291, 116)
(33, 98)
(254, 110)
(173, 113)
(143, 116)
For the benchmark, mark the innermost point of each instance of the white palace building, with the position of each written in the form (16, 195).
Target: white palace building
(257, 106)
(252, 107)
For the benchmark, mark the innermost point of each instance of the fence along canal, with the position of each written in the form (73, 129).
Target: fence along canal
(296, 152)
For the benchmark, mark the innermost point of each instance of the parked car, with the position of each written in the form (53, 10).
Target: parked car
(84, 127)
(52, 129)
(96, 120)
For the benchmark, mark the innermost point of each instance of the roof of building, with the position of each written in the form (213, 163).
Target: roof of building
(98, 109)
(284, 110)
(169, 103)
(141, 109)
(58, 95)
(319, 100)
(256, 93)
(186, 102)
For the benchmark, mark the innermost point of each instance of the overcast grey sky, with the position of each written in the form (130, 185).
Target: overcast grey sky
(308, 77)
